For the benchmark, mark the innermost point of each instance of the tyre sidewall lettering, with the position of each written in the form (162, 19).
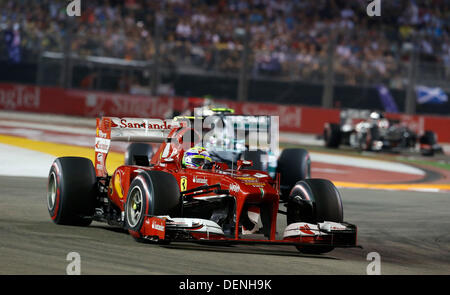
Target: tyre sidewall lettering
(56, 208)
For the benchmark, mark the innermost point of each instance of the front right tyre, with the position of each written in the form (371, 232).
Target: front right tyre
(136, 150)
(427, 141)
(294, 164)
(332, 135)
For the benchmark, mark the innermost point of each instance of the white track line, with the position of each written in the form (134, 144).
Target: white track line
(365, 163)
(48, 118)
(15, 161)
(48, 127)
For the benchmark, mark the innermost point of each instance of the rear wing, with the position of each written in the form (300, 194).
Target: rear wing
(130, 130)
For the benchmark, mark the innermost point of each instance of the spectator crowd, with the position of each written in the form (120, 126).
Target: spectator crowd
(284, 38)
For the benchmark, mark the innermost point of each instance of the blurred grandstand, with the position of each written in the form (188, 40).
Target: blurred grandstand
(236, 49)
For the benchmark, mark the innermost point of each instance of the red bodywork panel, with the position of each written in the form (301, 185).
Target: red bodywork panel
(243, 185)
(154, 227)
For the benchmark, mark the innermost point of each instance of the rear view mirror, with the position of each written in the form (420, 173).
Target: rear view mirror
(244, 163)
(167, 160)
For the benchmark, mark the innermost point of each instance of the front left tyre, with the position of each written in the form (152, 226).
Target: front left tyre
(71, 191)
(368, 138)
(313, 201)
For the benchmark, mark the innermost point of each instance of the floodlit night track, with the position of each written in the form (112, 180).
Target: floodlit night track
(408, 229)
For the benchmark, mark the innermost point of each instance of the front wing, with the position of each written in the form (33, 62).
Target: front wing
(166, 229)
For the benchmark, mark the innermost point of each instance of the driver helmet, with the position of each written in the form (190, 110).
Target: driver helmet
(376, 116)
(195, 157)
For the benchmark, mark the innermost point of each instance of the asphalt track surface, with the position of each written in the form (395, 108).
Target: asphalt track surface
(410, 231)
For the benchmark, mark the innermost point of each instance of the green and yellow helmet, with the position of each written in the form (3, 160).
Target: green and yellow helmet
(195, 157)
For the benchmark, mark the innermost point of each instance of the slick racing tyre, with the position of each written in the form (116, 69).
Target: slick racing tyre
(293, 165)
(368, 138)
(427, 141)
(151, 193)
(257, 158)
(136, 150)
(314, 201)
(71, 191)
(332, 135)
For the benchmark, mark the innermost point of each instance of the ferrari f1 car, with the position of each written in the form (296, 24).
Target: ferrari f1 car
(292, 164)
(377, 133)
(158, 200)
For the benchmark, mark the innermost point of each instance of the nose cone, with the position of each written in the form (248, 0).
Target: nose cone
(253, 189)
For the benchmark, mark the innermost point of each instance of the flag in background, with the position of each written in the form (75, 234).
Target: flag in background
(431, 95)
(387, 100)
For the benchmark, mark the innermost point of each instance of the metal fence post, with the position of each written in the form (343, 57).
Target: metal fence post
(328, 90)
(66, 75)
(410, 103)
(155, 78)
(243, 79)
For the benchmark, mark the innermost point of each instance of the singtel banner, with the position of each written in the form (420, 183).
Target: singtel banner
(61, 101)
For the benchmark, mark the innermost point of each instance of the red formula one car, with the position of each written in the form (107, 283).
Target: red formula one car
(158, 200)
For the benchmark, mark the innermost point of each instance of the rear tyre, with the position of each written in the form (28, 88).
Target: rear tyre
(332, 135)
(71, 191)
(257, 158)
(314, 201)
(136, 150)
(429, 140)
(293, 165)
(151, 193)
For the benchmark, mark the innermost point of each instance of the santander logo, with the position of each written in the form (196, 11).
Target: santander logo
(142, 124)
